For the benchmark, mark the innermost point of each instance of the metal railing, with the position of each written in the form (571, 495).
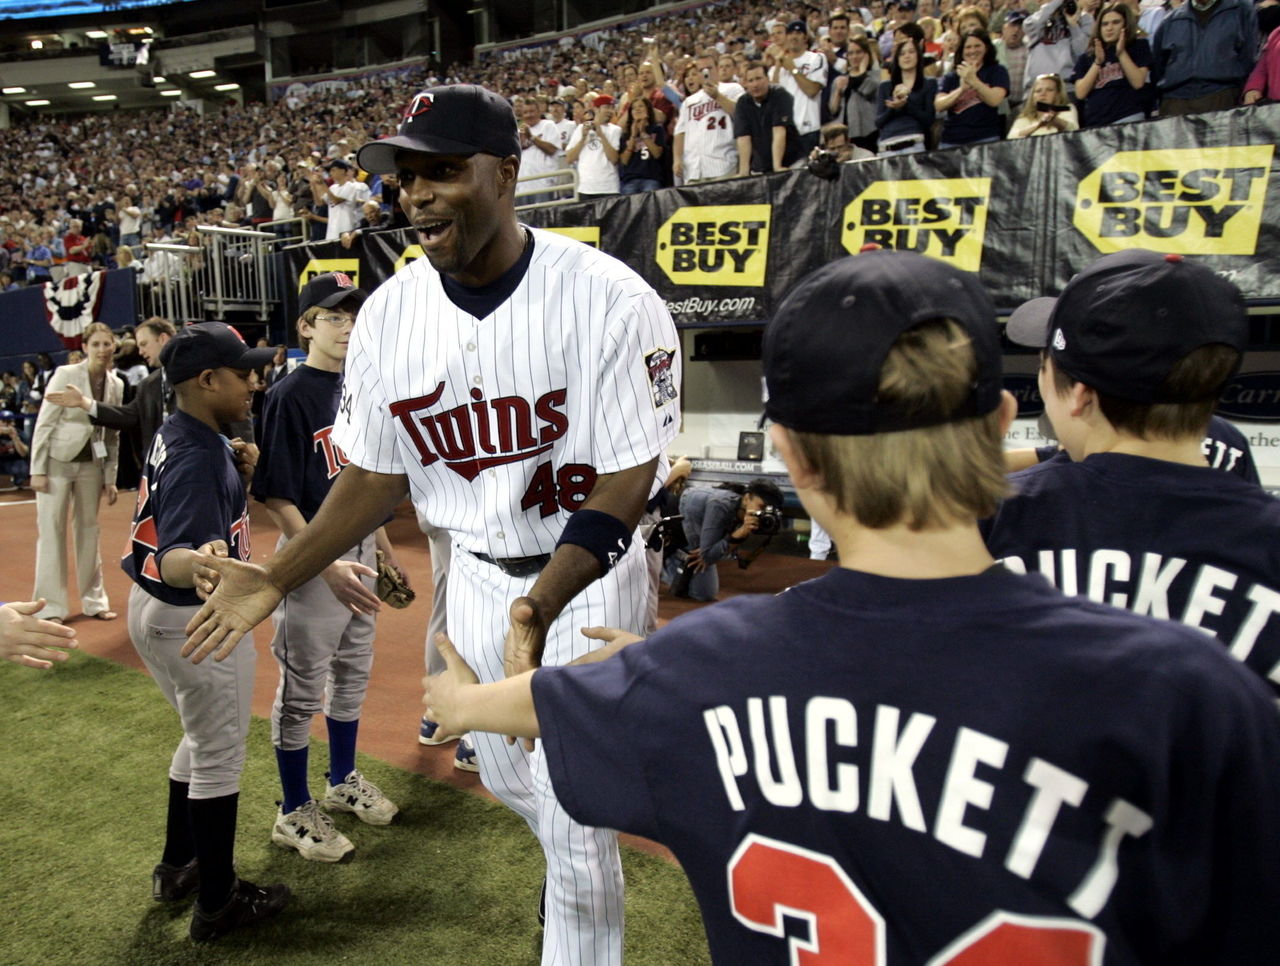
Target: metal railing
(167, 287)
(236, 274)
(552, 188)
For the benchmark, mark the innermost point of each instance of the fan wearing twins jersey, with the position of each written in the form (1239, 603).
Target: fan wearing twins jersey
(705, 147)
(191, 500)
(324, 630)
(1134, 516)
(521, 388)
(918, 758)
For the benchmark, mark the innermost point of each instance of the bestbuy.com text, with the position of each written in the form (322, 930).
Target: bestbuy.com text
(742, 307)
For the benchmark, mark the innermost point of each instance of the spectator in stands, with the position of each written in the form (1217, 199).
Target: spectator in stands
(13, 449)
(853, 95)
(78, 248)
(897, 14)
(1057, 35)
(7, 284)
(1046, 111)
(971, 94)
(372, 218)
(1011, 51)
(1111, 79)
(802, 73)
(557, 113)
(704, 147)
(834, 46)
(764, 126)
(641, 155)
(39, 256)
(594, 150)
(1202, 54)
(539, 143)
(904, 103)
(130, 222)
(344, 197)
(1264, 83)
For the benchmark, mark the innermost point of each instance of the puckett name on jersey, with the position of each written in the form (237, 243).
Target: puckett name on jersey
(485, 432)
(843, 759)
(1208, 598)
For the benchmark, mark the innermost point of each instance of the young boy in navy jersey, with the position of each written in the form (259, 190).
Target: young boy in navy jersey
(191, 500)
(1137, 351)
(920, 756)
(324, 629)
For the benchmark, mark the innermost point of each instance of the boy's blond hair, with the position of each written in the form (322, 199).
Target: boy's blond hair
(942, 475)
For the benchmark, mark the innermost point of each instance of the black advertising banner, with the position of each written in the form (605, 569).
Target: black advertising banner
(1205, 186)
(1025, 215)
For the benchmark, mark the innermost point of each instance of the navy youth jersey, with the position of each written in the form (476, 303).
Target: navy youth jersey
(1224, 448)
(1176, 542)
(959, 771)
(190, 493)
(299, 460)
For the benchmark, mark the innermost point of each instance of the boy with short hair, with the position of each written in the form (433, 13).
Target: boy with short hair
(323, 641)
(190, 501)
(1137, 351)
(918, 757)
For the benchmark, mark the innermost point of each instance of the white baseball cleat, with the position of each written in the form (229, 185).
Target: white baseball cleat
(359, 795)
(312, 833)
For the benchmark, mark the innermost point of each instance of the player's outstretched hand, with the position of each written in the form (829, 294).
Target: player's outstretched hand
(29, 641)
(614, 638)
(70, 397)
(526, 639)
(343, 578)
(442, 692)
(243, 599)
(206, 578)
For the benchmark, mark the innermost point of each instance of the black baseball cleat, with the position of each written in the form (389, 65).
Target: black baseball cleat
(171, 883)
(248, 904)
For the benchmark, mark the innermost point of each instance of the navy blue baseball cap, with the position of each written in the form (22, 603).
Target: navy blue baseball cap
(328, 290)
(1122, 324)
(455, 119)
(209, 345)
(826, 344)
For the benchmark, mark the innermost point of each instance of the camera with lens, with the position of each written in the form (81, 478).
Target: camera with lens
(823, 164)
(770, 520)
(1069, 7)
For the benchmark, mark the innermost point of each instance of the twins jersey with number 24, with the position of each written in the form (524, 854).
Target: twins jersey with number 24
(502, 424)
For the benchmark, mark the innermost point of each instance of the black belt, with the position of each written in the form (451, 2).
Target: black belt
(516, 566)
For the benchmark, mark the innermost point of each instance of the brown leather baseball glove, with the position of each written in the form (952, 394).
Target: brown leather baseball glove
(392, 587)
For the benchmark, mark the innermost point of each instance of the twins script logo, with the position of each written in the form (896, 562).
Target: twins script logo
(334, 458)
(484, 433)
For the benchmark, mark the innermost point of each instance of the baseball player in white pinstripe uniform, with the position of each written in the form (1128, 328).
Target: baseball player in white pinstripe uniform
(522, 388)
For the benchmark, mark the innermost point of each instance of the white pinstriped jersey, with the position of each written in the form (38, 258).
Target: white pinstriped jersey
(503, 423)
(710, 149)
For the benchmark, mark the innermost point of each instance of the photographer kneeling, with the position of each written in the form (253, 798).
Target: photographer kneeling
(716, 522)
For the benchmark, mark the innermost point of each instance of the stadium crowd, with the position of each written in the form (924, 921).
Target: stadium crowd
(733, 89)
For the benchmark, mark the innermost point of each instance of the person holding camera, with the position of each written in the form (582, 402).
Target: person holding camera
(1057, 35)
(717, 522)
(1111, 79)
(1046, 111)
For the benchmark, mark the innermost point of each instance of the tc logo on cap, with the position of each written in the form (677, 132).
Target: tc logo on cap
(420, 104)
(343, 280)
(1059, 340)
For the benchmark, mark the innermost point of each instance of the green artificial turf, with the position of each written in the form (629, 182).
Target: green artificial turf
(85, 751)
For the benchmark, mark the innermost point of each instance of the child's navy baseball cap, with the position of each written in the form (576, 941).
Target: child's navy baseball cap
(209, 345)
(826, 344)
(1122, 324)
(328, 290)
(455, 119)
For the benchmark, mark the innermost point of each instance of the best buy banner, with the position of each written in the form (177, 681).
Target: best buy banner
(1023, 215)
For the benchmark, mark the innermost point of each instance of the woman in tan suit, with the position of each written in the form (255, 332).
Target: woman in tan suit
(72, 463)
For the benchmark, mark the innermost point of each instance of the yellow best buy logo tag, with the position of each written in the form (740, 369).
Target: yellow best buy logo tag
(1196, 201)
(410, 254)
(319, 266)
(715, 245)
(945, 218)
(588, 236)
